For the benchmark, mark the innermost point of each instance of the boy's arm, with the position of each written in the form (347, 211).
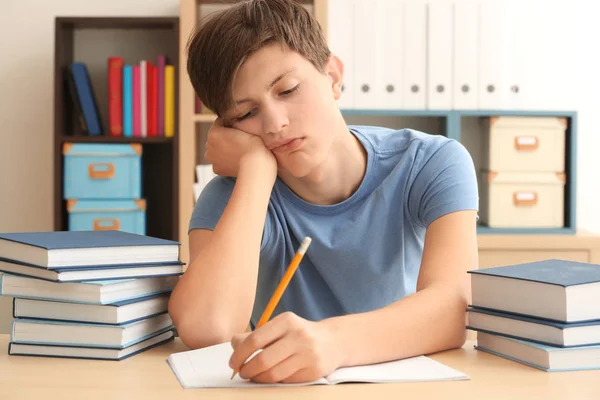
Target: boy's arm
(213, 300)
(432, 319)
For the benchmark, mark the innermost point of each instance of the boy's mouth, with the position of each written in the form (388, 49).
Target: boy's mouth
(286, 145)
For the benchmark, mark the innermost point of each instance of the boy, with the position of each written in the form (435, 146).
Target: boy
(391, 214)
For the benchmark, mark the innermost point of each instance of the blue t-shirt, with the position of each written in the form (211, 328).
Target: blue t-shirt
(366, 251)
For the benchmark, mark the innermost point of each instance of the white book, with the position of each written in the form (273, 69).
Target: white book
(115, 313)
(36, 331)
(90, 292)
(143, 99)
(209, 368)
(95, 353)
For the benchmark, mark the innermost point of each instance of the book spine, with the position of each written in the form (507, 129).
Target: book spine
(76, 101)
(143, 104)
(149, 94)
(136, 100)
(115, 96)
(169, 101)
(162, 62)
(153, 131)
(87, 98)
(127, 101)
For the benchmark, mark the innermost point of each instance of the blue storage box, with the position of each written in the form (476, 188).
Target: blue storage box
(94, 215)
(102, 171)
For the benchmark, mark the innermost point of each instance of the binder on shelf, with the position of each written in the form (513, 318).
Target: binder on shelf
(391, 54)
(492, 55)
(465, 48)
(415, 54)
(340, 37)
(439, 55)
(367, 43)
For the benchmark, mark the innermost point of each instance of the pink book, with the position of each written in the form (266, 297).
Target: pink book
(136, 101)
(162, 61)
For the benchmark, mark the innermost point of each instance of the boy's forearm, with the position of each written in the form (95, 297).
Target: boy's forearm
(216, 294)
(428, 321)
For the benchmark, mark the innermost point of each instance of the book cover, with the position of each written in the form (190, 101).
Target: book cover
(115, 96)
(553, 272)
(87, 97)
(136, 101)
(161, 63)
(127, 101)
(169, 100)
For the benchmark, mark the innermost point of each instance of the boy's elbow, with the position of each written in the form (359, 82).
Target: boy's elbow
(196, 332)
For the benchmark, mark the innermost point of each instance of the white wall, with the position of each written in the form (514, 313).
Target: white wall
(567, 32)
(26, 109)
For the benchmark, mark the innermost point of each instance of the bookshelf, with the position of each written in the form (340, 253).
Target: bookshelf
(92, 40)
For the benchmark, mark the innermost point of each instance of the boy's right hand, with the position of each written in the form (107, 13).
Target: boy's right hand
(229, 149)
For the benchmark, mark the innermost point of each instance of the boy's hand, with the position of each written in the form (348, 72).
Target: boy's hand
(229, 148)
(293, 350)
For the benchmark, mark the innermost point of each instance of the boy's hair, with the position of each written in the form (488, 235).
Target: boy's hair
(227, 38)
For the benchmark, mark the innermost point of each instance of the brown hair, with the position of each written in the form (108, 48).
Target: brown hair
(225, 39)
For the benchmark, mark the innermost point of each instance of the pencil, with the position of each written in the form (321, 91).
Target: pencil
(287, 277)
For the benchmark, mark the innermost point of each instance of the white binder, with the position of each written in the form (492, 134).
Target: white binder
(439, 54)
(415, 54)
(367, 44)
(341, 43)
(391, 54)
(465, 49)
(492, 55)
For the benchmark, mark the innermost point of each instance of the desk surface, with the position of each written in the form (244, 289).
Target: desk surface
(147, 376)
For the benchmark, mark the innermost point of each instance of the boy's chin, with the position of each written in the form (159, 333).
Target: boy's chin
(293, 170)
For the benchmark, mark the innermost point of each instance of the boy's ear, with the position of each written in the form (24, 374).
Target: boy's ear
(335, 70)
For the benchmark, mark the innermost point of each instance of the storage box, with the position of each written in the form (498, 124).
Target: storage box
(522, 200)
(524, 144)
(122, 215)
(102, 171)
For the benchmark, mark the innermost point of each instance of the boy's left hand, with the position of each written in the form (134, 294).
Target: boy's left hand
(293, 350)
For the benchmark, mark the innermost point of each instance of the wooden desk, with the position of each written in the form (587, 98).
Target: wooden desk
(147, 376)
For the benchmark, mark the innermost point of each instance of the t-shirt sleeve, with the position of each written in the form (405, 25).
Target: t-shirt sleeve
(446, 182)
(211, 203)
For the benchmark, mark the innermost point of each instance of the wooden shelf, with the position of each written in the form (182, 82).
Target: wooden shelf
(204, 117)
(111, 139)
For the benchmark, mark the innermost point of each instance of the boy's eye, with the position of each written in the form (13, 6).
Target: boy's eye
(243, 117)
(289, 91)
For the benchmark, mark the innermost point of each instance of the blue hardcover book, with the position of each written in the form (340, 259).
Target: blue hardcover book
(119, 313)
(89, 292)
(558, 290)
(80, 248)
(546, 358)
(61, 333)
(127, 101)
(534, 329)
(90, 353)
(91, 272)
(87, 99)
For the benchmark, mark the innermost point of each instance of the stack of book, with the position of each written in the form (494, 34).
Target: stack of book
(544, 314)
(88, 294)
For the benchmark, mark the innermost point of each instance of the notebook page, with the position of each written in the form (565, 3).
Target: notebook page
(209, 368)
(415, 369)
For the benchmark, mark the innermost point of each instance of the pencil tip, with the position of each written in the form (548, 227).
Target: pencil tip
(233, 375)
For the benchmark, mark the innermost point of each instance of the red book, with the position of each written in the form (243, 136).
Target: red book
(151, 100)
(153, 124)
(115, 96)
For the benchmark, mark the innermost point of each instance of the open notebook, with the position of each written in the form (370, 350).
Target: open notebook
(208, 368)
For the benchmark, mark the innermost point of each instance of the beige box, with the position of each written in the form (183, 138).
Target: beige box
(521, 200)
(524, 144)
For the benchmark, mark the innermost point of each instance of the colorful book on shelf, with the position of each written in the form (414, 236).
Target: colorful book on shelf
(161, 63)
(150, 99)
(143, 98)
(115, 96)
(91, 272)
(88, 292)
(557, 290)
(76, 104)
(119, 313)
(169, 100)
(67, 333)
(90, 353)
(80, 248)
(136, 101)
(127, 100)
(86, 97)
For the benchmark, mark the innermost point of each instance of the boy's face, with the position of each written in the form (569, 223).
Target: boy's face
(282, 98)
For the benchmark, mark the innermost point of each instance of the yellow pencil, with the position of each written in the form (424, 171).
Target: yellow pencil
(287, 277)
